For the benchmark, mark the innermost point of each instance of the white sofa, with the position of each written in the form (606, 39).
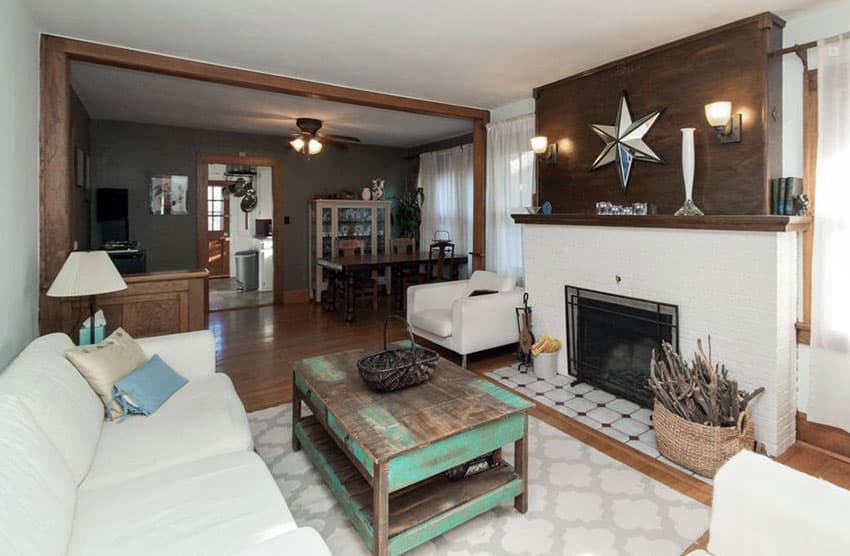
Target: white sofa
(183, 481)
(761, 507)
(444, 313)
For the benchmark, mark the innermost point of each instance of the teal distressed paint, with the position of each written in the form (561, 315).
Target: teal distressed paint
(354, 512)
(427, 461)
(312, 400)
(436, 526)
(351, 443)
(501, 394)
(391, 429)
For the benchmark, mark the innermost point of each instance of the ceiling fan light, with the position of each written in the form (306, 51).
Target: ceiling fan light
(297, 144)
(314, 147)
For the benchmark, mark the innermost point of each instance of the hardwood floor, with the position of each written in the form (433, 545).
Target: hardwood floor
(257, 347)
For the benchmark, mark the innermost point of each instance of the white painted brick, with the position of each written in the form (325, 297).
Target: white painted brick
(739, 287)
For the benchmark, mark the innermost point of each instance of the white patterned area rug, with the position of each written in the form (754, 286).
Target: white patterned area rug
(581, 502)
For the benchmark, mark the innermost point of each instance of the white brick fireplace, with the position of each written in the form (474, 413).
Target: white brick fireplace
(738, 286)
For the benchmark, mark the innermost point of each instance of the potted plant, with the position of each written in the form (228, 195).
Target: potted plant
(700, 416)
(408, 215)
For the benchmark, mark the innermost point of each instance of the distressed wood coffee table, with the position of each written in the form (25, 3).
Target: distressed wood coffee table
(383, 455)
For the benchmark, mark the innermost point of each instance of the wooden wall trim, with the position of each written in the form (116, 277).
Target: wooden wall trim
(55, 163)
(743, 223)
(765, 20)
(828, 438)
(56, 155)
(810, 162)
(479, 186)
(191, 69)
(201, 177)
(296, 296)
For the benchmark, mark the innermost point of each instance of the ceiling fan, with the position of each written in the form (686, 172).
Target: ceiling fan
(309, 141)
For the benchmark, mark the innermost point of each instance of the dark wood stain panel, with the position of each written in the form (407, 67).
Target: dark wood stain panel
(728, 63)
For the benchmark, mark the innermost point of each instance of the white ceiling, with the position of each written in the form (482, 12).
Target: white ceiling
(111, 93)
(480, 53)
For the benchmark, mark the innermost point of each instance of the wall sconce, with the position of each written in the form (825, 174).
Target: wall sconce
(545, 150)
(725, 124)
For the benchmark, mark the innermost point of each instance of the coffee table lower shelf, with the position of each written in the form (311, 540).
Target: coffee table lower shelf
(417, 513)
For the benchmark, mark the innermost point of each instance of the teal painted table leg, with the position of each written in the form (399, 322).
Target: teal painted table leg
(380, 512)
(296, 413)
(521, 466)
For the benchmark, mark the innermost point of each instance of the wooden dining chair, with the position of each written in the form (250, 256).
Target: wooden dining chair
(364, 286)
(440, 267)
(402, 246)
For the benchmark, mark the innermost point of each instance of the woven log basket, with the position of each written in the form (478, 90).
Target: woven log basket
(396, 368)
(698, 447)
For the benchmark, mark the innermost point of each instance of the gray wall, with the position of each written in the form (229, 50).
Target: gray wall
(19, 213)
(127, 155)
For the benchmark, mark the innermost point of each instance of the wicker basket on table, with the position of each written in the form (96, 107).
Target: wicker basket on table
(399, 367)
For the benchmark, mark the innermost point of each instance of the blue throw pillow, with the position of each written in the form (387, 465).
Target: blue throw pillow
(148, 387)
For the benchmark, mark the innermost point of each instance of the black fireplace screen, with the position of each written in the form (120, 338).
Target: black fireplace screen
(610, 339)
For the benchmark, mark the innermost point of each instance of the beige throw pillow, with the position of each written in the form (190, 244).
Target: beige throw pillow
(103, 364)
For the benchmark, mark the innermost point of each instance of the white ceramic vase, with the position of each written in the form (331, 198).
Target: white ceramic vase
(688, 162)
(366, 194)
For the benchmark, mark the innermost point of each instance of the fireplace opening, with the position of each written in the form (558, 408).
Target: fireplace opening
(610, 339)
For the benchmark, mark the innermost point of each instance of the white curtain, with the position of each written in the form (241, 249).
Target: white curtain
(830, 362)
(446, 181)
(510, 181)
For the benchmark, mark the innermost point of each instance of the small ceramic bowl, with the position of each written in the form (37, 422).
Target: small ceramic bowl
(532, 210)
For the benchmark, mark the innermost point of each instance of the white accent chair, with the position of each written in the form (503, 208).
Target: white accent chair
(760, 506)
(183, 481)
(446, 315)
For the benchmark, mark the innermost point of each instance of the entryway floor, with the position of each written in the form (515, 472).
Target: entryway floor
(224, 295)
(620, 419)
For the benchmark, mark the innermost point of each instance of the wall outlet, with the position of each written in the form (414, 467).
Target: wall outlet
(286, 220)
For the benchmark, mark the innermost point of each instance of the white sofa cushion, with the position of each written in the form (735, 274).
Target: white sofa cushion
(435, 321)
(59, 398)
(217, 506)
(486, 280)
(37, 490)
(204, 418)
(192, 354)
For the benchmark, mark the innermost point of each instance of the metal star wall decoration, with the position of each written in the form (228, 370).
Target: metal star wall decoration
(624, 142)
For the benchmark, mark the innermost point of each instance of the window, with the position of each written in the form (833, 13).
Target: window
(216, 209)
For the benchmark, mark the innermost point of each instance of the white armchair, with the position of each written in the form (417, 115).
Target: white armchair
(446, 315)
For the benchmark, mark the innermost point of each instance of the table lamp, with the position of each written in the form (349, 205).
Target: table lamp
(87, 273)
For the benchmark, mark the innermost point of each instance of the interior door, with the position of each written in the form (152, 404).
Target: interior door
(218, 232)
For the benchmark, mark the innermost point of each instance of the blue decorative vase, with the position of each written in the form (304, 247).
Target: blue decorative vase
(547, 208)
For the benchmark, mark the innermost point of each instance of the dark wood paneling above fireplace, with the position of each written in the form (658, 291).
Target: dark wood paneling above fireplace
(727, 63)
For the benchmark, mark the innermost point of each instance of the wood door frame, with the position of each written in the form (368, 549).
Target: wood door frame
(202, 179)
(55, 178)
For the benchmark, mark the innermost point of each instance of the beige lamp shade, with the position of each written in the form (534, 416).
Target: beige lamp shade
(86, 273)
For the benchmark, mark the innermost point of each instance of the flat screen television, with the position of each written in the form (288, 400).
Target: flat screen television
(111, 204)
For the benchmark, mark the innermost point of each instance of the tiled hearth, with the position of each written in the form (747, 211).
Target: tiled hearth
(618, 418)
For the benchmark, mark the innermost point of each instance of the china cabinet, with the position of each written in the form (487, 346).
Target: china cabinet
(335, 219)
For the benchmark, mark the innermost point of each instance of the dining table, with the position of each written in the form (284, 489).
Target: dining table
(348, 266)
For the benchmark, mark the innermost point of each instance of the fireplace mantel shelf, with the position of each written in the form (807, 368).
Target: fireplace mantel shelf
(743, 223)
